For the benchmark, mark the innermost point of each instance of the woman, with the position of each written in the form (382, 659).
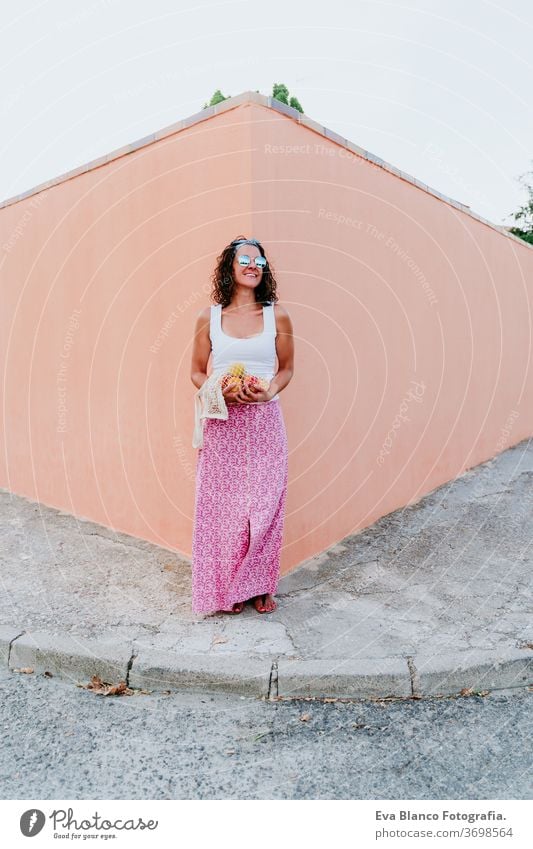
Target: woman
(242, 466)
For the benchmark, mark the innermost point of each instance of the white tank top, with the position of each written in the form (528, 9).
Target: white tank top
(258, 353)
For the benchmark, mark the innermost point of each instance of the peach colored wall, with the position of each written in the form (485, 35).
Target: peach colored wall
(106, 266)
(367, 327)
(103, 276)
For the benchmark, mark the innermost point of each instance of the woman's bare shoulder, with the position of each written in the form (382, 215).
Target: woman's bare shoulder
(282, 316)
(203, 316)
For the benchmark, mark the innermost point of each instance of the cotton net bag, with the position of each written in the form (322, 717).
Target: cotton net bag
(209, 402)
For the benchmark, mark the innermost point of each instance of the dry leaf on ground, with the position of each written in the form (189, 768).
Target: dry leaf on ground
(104, 688)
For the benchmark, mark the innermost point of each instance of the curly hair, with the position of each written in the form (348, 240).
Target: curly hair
(224, 283)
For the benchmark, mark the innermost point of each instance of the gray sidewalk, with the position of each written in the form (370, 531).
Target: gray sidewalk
(430, 600)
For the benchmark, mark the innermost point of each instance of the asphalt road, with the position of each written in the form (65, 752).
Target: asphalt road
(61, 741)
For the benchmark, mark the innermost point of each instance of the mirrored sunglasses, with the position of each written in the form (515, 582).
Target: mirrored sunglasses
(245, 260)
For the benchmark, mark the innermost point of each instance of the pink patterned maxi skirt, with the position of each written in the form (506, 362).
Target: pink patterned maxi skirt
(241, 488)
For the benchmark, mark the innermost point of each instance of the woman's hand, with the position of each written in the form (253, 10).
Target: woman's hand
(245, 395)
(255, 393)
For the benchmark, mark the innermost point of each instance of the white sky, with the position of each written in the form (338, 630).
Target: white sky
(442, 90)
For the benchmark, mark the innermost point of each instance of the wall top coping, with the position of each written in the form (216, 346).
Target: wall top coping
(270, 103)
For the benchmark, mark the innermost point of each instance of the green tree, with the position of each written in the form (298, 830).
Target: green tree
(280, 92)
(218, 97)
(295, 103)
(524, 229)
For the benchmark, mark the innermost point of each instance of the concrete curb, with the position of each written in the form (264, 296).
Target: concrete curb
(77, 659)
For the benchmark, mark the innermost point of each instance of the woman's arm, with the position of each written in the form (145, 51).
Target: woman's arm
(284, 351)
(201, 348)
(200, 356)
